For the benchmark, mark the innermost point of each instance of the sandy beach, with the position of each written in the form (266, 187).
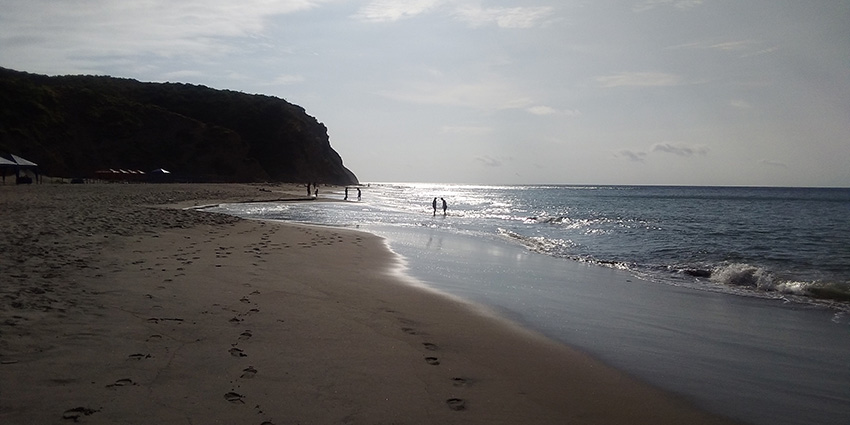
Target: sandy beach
(119, 306)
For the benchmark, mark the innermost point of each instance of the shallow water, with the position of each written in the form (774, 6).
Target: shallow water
(761, 354)
(759, 360)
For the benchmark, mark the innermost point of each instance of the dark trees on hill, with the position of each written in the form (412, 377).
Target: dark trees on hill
(76, 125)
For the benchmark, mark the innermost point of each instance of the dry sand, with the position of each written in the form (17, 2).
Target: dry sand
(115, 311)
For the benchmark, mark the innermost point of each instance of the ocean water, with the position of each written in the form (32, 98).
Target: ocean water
(736, 298)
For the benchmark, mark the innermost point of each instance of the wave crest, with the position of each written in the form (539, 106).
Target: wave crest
(559, 248)
(538, 244)
(759, 278)
(735, 277)
(744, 275)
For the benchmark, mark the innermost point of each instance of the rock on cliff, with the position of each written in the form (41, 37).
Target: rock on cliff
(75, 125)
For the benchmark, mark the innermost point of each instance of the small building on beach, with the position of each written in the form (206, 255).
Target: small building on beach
(20, 166)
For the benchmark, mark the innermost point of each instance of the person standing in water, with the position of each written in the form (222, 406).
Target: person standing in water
(445, 206)
(358, 193)
(434, 204)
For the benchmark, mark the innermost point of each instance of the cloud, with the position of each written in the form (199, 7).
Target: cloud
(680, 150)
(503, 17)
(286, 79)
(639, 79)
(395, 10)
(766, 51)
(773, 163)
(182, 75)
(548, 110)
(489, 161)
(744, 48)
(88, 30)
(677, 149)
(467, 130)
(636, 156)
(542, 110)
(740, 104)
(378, 11)
(732, 46)
(647, 5)
(485, 95)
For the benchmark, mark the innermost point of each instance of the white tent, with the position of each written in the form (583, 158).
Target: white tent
(17, 163)
(23, 162)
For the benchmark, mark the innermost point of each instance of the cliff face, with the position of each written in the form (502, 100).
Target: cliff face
(74, 125)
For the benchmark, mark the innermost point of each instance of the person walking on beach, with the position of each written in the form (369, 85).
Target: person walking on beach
(358, 194)
(445, 206)
(434, 204)
(346, 194)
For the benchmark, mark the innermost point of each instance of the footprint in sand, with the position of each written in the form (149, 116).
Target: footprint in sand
(461, 382)
(121, 383)
(139, 356)
(248, 372)
(77, 412)
(236, 352)
(456, 404)
(433, 361)
(430, 347)
(410, 331)
(245, 335)
(164, 319)
(234, 397)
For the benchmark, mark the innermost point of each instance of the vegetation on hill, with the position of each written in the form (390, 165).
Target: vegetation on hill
(73, 126)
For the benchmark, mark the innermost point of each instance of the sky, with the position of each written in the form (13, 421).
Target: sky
(671, 92)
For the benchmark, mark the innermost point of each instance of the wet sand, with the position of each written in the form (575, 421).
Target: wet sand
(115, 308)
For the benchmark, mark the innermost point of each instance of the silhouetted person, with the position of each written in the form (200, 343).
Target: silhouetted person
(445, 206)
(358, 193)
(316, 193)
(434, 204)
(346, 194)
(308, 189)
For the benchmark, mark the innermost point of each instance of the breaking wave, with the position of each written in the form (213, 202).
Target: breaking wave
(738, 278)
(761, 279)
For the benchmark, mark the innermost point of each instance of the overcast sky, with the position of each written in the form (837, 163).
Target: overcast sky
(705, 92)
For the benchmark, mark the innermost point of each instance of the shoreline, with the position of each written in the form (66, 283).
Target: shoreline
(125, 313)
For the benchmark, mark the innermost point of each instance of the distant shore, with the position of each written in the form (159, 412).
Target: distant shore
(118, 306)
